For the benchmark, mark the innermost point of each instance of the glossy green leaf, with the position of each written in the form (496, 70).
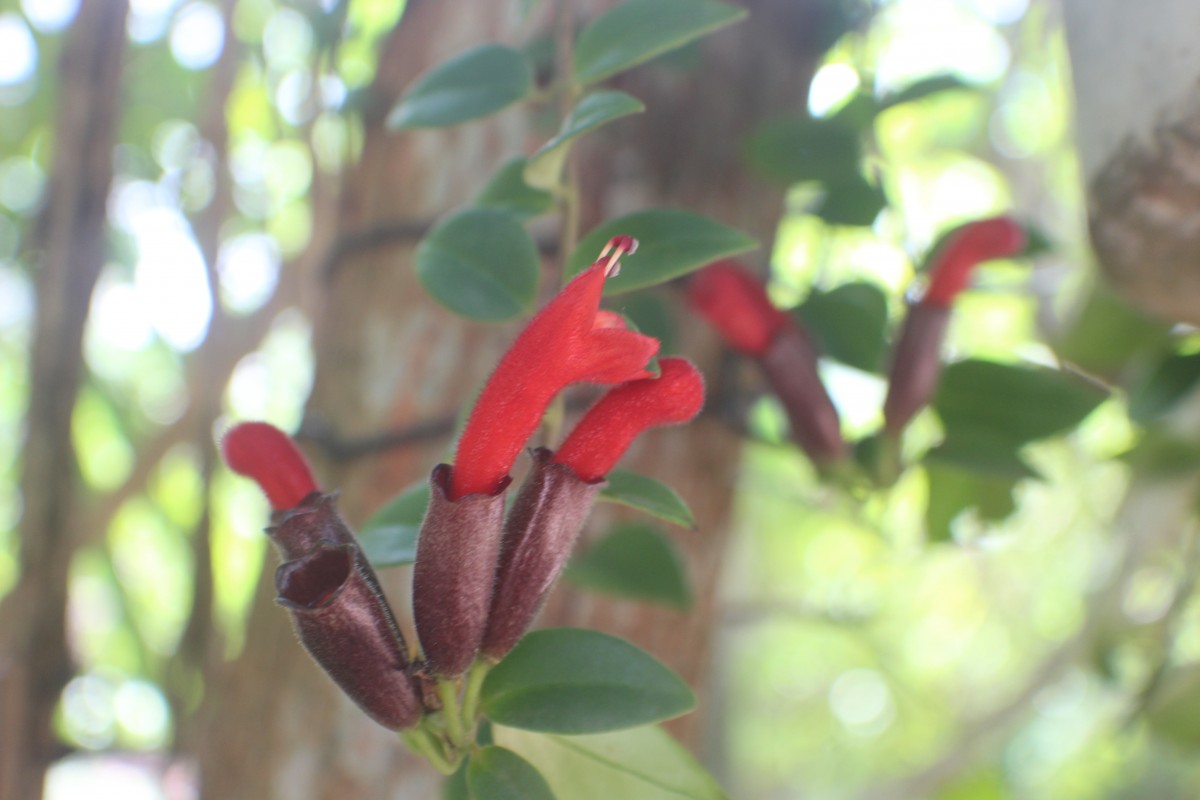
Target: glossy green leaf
(389, 537)
(1014, 403)
(849, 323)
(638, 764)
(634, 561)
(508, 191)
(480, 263)
(474, 84)
(923, 88)
(636, 31)
(571, 680)
(544, 169)
(671, 242)
(793, 150)
(648, 495)
(496, 773)
(852, 200)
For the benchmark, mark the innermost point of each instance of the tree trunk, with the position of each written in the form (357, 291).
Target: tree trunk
(69, 240)
(1137, 91)
(389, 358)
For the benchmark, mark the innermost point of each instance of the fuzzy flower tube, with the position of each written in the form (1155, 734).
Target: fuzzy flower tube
(569, 341)
(338, 610)
(916, 359)
(554, 501)
(735, 303)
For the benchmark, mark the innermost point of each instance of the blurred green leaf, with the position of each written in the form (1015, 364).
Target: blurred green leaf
(389, 537)
(571, 680)
(671, 243)
(477, 83)
(497, 773)
(508, 191)
(1163, 453)
(982, 451)
(544, 169)
(923, 88)
(953, 490)
(1174, 709)
(1014, 403)
(852, 200)
(634, 561)
(480, 263)
(1108, 334)
(638, 764)
(1170, 381)
(849, 323)
(648, 495)
(793, 150)
(636, 31)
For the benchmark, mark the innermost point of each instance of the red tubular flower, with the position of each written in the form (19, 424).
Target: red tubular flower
(551, 507)
(338, 610)
(916, 358)
(975, 242)
(734, 302)
(268, 456)
(566, 342)
(610, 426)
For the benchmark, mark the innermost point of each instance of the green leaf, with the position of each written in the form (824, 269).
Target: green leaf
(508, 191)
(544, 169)
(671, 243)
(923, 88)
(472, 85)
(480, 263)
(1171, 714)
(849, 323)
(1162, 453)
(634, 561)
(389, 537)
(497, 773)
(794, 150)
(648, 495)
(852, 200)
(638, 764)
(983, 452)
(570, 680)
(953, 490)
(1108, 334)
(454, 787)
(638, 30)
(652, 315)
(1172, 378)
(1013, 403)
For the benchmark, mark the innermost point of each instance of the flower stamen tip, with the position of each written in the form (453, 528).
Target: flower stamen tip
(618, 246)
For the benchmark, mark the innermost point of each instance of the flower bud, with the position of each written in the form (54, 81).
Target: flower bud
(790, 364)
(540, 533)
(343, 621)
(457, 551)
(916, 365)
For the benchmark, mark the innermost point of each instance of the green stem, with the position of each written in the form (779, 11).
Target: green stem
(448, 692)
(422, 742)
(479, 671)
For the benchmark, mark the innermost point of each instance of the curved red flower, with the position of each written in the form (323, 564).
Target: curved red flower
(568, 341)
